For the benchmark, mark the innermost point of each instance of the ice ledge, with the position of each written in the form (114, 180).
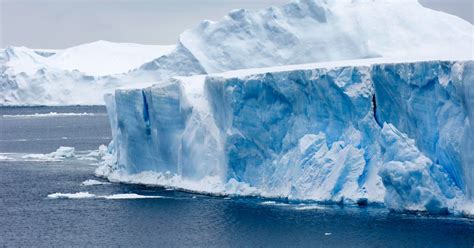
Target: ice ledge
(337, 64)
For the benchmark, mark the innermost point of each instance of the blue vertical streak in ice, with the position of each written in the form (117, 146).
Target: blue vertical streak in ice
(146, 115)
(468, 164)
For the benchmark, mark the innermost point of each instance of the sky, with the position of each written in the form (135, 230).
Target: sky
(65, 23)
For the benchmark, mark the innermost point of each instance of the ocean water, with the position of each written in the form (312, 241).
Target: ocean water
(176, 219)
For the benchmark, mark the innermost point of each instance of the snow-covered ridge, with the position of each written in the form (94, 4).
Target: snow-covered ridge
(303, 31)
(98, 58)
(398, 133)
(309, 31)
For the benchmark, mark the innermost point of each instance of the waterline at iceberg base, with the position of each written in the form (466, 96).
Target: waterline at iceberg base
(398, 134)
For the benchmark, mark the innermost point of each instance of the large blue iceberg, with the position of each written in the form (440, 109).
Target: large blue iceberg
(395, 133)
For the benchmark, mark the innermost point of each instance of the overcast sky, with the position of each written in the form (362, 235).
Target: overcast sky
(65, 23)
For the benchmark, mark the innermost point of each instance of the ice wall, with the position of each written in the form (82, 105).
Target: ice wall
(393, 133)
(430, 102)
(276, 123)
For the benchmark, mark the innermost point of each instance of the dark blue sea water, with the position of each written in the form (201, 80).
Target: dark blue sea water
(29, 218)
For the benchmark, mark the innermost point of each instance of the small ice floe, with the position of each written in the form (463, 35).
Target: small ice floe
(87, 195)
(274, 203)
(3, 157)
(327, 234)
(92, 182)
(130, 196)
(309, 207)
(79, 195)
(61, 153)
(52, 114)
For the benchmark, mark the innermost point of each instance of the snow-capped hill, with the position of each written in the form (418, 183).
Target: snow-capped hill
(22, 60)
(97, 58)
(104, 58)
(308, 31)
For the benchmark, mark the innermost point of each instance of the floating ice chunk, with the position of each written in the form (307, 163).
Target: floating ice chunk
(79, 195)
(87, 195)
(92, 182)
(3, 157)
(63, 152)
(60, 154)
(309, 207)
(52, 114)
(274, 203)
(40, 157)
(130, 196)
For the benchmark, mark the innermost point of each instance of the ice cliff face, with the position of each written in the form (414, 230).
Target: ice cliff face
(303, 31)
(394, 133)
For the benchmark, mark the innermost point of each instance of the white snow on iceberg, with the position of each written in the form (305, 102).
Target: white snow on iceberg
(303, 31)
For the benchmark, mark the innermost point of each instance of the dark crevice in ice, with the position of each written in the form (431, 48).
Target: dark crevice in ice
(146, 114)
(374, 103)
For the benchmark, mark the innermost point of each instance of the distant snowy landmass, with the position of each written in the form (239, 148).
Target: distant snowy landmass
(77, 75)
(98, 58)
(305, 31)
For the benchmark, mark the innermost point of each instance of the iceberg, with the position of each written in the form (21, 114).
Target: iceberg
(342, 101)
(393, 133)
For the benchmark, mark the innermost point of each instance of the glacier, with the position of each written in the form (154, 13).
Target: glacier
(302, 31)
(353, 131)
